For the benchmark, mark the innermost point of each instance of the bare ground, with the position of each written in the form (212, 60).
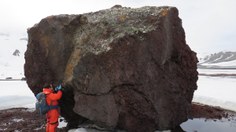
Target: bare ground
(22, 119)
(27, 120)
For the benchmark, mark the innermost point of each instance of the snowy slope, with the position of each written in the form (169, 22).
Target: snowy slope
(220, 60)
(10, 65)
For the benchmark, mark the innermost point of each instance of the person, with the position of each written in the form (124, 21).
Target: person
(52, 97)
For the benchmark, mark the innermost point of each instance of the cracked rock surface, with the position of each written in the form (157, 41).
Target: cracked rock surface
(123, 68)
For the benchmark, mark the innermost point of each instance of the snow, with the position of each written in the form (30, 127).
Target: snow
(12, 66)
(222, 64)
(228, 58)
(227, 63)
(216, 71)
(15, 94)
(18, 120)
(218, 58)
(216, 91)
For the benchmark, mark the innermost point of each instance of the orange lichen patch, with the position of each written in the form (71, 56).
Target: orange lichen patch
(122, 18)
(164, 12)
(73, 61)
(68, 71)
(45, 41)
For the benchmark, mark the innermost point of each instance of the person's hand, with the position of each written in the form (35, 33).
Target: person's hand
(58, 88)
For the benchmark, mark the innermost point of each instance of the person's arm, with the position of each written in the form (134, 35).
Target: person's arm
(55, 96)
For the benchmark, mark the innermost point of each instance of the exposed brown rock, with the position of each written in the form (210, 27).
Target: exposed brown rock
(123, 68)
(210, 112)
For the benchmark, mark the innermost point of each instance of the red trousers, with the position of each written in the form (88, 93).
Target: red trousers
(52, 120)
(51, 127)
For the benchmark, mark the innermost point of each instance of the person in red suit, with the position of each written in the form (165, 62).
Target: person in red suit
(52, 115)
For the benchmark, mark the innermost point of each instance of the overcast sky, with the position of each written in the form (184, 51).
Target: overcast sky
(210, 26)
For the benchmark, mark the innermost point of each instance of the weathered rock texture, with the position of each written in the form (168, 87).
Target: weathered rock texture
(123, 68)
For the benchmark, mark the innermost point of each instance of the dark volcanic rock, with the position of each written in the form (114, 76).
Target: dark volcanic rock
(123, 68)
(16, 53)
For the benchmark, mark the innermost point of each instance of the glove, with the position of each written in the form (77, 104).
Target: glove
(58, 88)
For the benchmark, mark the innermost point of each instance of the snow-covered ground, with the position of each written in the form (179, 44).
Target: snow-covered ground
(216, 71)
(12, 66)
(216, 91)
(15, 94)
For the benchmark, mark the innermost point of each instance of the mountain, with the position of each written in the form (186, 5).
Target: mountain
(220, 60)
(4, 34)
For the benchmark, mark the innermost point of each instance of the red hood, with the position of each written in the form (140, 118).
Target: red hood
(47, 90)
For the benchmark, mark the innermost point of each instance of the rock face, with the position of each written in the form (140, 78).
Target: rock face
(123, 68)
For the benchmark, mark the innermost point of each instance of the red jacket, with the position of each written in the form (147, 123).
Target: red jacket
(52, 99)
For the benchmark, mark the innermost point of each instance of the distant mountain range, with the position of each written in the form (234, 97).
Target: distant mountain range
(220, 60)
(4, 34)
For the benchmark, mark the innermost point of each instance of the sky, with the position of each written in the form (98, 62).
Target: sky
(209, 25)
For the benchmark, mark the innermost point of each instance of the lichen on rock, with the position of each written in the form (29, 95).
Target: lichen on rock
(124, 68)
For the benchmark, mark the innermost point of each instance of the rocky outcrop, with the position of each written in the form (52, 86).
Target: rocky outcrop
(16, 53)
(123, 68)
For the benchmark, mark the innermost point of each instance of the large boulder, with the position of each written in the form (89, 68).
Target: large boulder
(123, 68)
